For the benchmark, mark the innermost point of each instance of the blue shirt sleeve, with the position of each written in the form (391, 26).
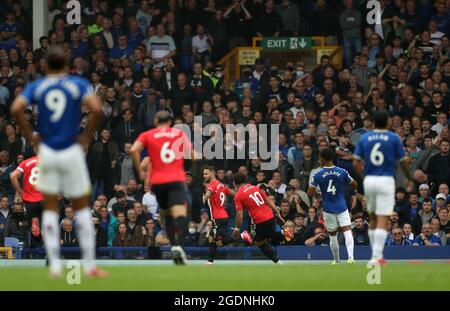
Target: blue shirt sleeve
(85, 88)
(347, 176)
(314, 180)
(29, 93)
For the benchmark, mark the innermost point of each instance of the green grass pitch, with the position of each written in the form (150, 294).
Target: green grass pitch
(292, 276)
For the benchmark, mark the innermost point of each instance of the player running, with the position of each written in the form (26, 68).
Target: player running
(62, 166)
(215, 196)
(30, 196)
(166, 147)
(380, 149)
(332, 180)
(261, 211)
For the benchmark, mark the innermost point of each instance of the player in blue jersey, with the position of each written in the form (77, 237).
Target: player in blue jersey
(376, 155)
(332, 181)
(62, 166)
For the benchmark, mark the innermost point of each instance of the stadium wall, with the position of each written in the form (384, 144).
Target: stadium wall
(253, 253)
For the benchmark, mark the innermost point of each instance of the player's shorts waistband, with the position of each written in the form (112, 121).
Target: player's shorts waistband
(61, 148)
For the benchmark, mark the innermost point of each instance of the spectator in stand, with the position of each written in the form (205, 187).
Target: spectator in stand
(437, 232)
(423, 216)
(290, 17)
(398, 238)
(101, 236)
(350, 22)
(161, 47)
(269, 22)
(426, 238)
(16, 224)
(68, 237)
(122, 204)
(407, 232)
(360, 232)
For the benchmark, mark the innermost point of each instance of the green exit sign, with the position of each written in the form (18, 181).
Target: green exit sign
(286, 43)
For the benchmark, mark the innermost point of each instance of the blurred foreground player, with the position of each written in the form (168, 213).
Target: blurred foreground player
(261, 211)
(30, 196)
(62, 165)
(380, 150)
(167, 147)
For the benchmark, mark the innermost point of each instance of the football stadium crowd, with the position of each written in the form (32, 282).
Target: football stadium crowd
(142, 56)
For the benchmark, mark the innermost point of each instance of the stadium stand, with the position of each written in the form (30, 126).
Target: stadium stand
(142, 56)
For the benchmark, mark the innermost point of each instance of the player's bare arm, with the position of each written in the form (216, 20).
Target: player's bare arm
(136, 156)
(239, 218)
(311, 191)
(358, 165)
(274, 208)
(206, 196)
(17, 110)
(93, 103)
(14, 177)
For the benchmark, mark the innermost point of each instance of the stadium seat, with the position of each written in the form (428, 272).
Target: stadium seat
(14, 243)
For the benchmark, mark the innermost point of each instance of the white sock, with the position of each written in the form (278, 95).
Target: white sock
(86, 237)
(349, 243)
(334, 245)
(51, 236)
(379, 241)
(371, 237)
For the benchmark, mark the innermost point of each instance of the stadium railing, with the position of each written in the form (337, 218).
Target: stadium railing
(249, 253)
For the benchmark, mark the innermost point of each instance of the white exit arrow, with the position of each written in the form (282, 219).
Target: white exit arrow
(303, 43)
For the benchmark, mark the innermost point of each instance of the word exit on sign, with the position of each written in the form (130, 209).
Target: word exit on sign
(286, 43)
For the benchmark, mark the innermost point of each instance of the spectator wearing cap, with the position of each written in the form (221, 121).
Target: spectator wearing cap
(424, 193)
(260, 73)
(440, 201)
(423, 216)
(426, 237)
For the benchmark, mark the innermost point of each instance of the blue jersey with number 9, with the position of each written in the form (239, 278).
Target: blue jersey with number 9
(332, 181)
(58, 100)
(380, 150)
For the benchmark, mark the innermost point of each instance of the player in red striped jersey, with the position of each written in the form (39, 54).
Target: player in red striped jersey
(261, 211)
(167, 146)
(30, 196)
(215, 196)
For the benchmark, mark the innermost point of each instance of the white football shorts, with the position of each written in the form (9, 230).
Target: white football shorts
(335, 221)
(63, 171)
(380, 194)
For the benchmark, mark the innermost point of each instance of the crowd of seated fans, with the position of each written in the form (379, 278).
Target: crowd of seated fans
(142, 56)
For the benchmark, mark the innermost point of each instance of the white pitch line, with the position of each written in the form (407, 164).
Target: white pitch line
(39, 263)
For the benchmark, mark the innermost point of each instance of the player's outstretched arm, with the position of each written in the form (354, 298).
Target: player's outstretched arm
(17, 110)
(136, 156)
